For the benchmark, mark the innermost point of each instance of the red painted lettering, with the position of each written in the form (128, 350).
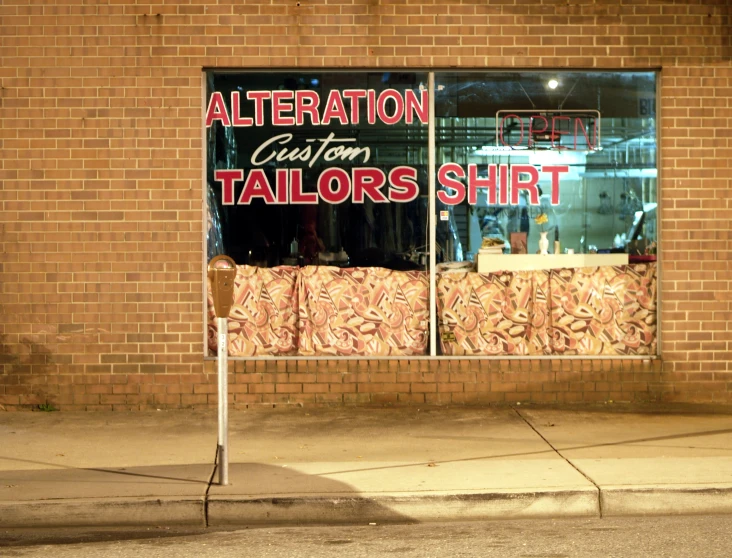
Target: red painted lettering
(474, 182)
(416, 106)
(280, 105)
(371, 106)
(227, 179)
(217, 110)
(448, 182)
(403, 184)
(297, 196)
(503, 189)
(310, 107)
(236, 118)
(554, 171)
(258, 97)
(384, 97)
(342, 183)
(517, 185)
(368, 181)
(354, 95)
(256, 185)
(334, 108)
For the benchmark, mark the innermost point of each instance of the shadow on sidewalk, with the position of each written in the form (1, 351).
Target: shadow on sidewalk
(257, 494)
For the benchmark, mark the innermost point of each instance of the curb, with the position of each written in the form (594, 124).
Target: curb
(228, 511)
(233, 511)
(666, 500)
(107, 512)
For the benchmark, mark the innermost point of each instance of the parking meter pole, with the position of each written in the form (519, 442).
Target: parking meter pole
(223, 439)
(222, 276)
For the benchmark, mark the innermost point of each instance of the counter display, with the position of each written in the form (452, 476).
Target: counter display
(488, 263)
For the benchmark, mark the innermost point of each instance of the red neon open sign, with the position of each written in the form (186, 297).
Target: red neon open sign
(575, 130)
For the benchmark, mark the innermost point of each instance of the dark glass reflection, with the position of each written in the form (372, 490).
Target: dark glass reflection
(391, 235)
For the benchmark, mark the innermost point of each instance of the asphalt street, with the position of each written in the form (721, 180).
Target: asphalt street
(620, 537)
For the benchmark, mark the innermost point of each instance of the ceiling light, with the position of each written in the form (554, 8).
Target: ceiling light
(553, 83)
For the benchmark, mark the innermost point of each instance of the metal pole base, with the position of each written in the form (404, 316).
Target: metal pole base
(223, 462)
(223, 442)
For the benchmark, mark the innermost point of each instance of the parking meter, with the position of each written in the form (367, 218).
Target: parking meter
(222, 273)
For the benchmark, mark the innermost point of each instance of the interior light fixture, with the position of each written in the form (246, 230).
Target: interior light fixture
(553, 83)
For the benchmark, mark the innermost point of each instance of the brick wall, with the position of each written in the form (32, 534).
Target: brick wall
(101, 171)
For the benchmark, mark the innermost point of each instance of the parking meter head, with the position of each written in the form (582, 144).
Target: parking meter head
(221, 273)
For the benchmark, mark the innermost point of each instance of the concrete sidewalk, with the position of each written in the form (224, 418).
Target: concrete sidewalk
(359, 465)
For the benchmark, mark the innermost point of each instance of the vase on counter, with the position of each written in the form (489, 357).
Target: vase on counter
(543, 243)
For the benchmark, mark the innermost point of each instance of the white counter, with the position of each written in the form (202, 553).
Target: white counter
(488, 263)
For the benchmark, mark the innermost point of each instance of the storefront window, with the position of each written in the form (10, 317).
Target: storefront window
(505, 138)
(319, 186)
(324, 168)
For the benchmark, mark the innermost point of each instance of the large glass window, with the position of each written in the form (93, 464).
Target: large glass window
(321, 187)
(581, 144)
(319, 168)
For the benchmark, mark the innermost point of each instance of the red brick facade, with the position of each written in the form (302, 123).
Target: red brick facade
(101, 239)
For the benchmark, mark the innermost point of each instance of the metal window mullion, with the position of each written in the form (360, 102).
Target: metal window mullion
(431, 153)
(204, 216)
(660, 212)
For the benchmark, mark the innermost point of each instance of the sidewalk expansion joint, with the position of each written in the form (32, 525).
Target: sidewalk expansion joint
(208, 486)
(559, 453)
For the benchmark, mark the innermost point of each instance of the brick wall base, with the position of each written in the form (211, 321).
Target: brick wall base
(367, 382)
